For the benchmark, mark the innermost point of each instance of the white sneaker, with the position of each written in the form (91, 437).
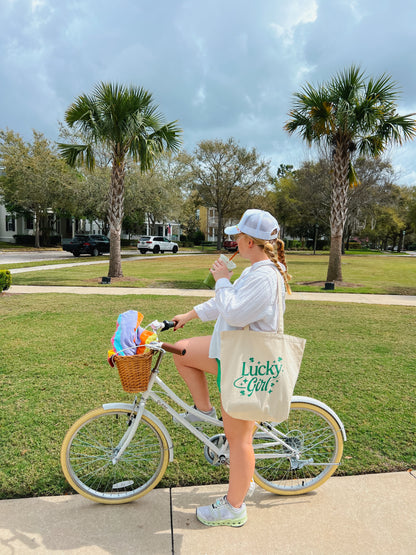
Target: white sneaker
(195, 418)
(221, 513)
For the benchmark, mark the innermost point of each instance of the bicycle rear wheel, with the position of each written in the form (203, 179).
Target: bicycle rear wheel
(316, 436)
(88, 449)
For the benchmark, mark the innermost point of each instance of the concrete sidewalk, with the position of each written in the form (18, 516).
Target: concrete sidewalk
(399, 300)
(371, 514)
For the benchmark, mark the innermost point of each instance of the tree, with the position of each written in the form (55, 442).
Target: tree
(391, 218)
(226, 176)
(127, 122)
(367, 199)
(35, 179)
(155, 193)
(350, 115)
(282, 200)
(411, 216)
(312, 199)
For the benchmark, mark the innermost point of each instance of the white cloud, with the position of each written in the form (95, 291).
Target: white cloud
(221, 68)
(37, 4)
(199, 97)
(291, 15)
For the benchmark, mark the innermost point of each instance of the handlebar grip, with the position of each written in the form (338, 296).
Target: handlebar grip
(172, 349)
(167, 325)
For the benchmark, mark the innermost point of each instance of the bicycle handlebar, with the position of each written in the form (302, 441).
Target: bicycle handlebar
(167, 325)
(172, 349)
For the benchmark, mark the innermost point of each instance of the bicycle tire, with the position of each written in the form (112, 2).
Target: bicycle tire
(87, 451)
(317, 436)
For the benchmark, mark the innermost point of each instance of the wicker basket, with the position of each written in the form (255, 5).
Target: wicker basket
(134, 371)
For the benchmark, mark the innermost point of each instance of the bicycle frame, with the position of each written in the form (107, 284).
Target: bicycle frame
(103, 449)
(138, 409)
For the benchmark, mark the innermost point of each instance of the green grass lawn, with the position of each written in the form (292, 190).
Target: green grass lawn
(359, 359)
(361, 274)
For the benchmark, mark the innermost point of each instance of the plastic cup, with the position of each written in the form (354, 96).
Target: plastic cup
(209, 281)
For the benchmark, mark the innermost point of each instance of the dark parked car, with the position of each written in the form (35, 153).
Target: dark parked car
(87, 244)
(230, 245)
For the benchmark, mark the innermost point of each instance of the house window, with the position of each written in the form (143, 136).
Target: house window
(10, 223)
(29, 222)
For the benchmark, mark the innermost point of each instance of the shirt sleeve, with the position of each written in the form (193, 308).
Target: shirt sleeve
(240, 306)
(207, 311)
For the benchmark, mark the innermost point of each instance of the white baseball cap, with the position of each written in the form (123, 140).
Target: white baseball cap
(256, 223)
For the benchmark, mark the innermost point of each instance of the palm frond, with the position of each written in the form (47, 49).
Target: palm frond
(352, 176)
(371, 145)
(77, 154)
(349, 110)
(125, 120)
(346, 84)
(382, 90)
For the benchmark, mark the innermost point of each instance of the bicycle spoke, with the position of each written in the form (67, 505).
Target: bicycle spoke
(310, 451)
(91, 448)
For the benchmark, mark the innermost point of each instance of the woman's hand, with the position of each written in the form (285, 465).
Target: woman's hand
(182, 319)
(219, 270)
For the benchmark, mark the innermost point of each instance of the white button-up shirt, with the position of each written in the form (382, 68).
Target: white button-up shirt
(251, 300)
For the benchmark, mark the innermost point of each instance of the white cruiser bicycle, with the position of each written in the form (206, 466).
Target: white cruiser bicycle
(120, 451)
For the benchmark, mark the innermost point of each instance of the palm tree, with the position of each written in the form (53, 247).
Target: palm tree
(126, 122)
(352, 116)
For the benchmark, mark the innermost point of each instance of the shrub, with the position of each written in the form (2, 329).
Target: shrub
(29, 240)
(5, 280)
(128, 242)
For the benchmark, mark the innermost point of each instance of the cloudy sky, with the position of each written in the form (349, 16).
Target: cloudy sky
(222, 68)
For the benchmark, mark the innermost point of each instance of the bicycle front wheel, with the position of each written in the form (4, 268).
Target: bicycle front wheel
(89, 447)
(318, 441)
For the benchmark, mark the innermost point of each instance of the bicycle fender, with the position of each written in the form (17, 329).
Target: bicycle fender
(302, 399)
(151, 416)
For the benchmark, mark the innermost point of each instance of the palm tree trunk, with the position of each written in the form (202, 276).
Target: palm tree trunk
(339, 207)
(115, 217)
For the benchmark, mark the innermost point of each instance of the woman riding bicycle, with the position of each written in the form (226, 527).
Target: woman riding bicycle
(251, 300)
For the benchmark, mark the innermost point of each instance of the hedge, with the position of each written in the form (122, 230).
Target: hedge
(5, 280)
(29, 240)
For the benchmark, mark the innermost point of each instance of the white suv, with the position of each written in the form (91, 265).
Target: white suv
(156, 244)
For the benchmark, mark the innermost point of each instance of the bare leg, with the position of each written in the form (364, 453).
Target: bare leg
(192, 367)
(240, 438)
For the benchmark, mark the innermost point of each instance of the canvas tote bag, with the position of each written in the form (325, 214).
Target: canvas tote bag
(259, 371)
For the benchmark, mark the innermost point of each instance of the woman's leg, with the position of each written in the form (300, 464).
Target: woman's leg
(239, 434)
(192, 367)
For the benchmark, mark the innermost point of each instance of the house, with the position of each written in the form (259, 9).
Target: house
(14, 225)
(11, 225)
(208, 223)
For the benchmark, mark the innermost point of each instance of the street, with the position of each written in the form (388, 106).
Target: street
(16, 257)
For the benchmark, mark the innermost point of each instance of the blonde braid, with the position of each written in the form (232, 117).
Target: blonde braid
(282, 258)
(268, 248)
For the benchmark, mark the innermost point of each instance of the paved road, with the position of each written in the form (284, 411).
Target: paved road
(17, 257)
